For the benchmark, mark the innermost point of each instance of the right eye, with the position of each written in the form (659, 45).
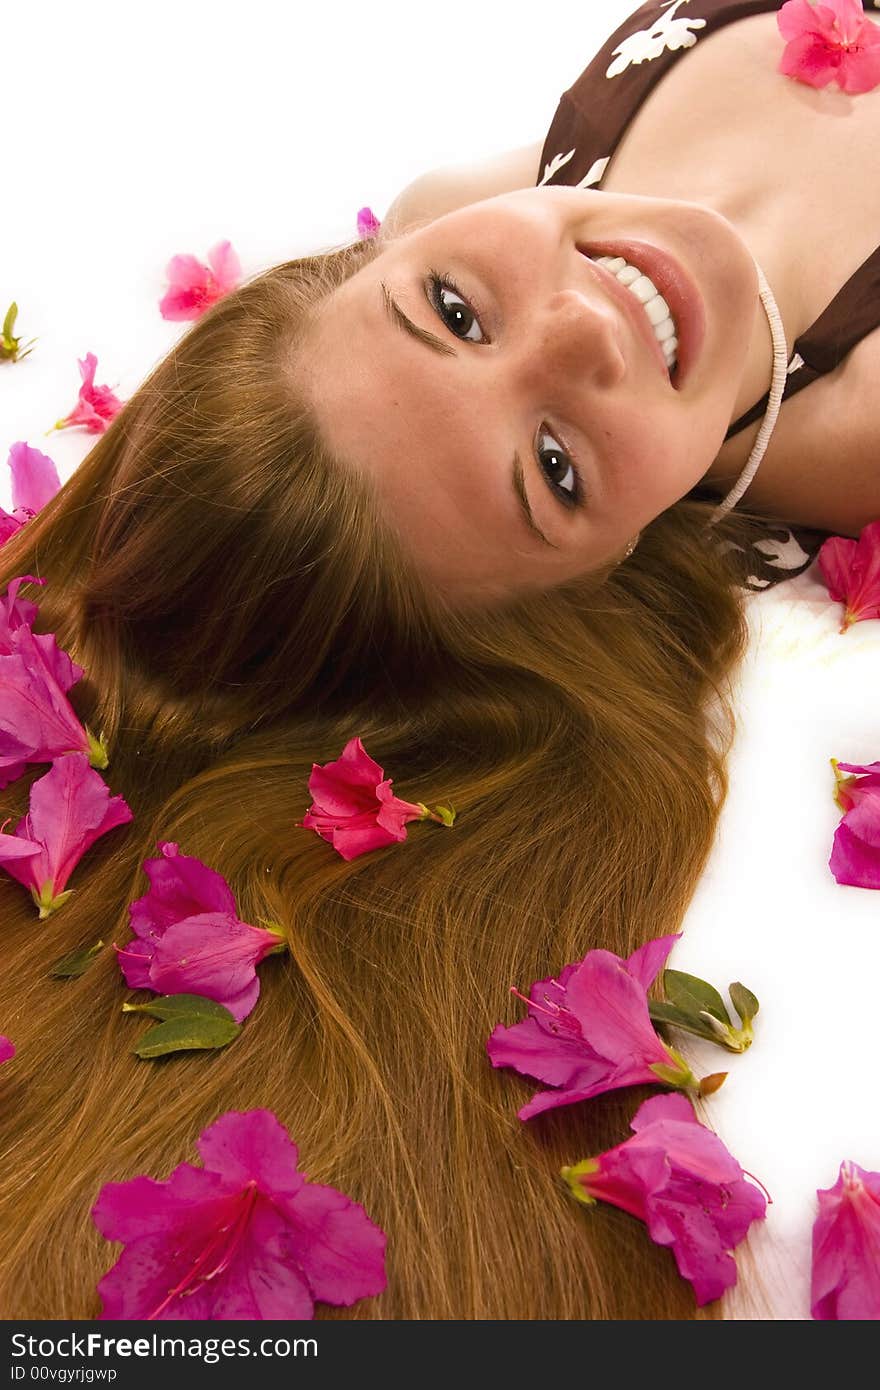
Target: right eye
(454, 315)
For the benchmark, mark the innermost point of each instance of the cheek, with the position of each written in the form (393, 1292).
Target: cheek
(653, 468)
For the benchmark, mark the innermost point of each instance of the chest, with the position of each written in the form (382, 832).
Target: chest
(797, 171)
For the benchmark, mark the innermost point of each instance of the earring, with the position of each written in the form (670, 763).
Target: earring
(631, 547)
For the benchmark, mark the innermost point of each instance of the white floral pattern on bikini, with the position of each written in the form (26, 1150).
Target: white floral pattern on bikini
(667, 34)
(594, 174)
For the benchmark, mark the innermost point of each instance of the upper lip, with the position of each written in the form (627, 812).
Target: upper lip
(631, 307)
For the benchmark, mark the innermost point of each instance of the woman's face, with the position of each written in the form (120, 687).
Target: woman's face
(522, 430)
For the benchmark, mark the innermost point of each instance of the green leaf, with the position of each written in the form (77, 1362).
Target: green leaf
(661, 1012)
(176, 1006)
(694, 996)
(744, 1002)
(9, 321)
(187, 1034)
(76, 963)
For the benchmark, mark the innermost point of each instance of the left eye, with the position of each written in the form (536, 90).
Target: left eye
(559, 470)
(455, 315)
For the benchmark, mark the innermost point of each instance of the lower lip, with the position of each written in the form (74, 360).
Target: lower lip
(677, 288)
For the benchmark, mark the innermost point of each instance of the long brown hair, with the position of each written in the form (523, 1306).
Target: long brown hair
(241, 610)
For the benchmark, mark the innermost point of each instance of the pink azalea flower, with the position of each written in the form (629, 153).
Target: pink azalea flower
(35, 482)
(677, 1177)
(851, 570)
(7, 1049)
(245, 1237)
(70, 808)
(193, 286)
(96, 405)
(830, 41)
(355, 810)
(37, 721)
(855, 854)
(590, 1031)
(189, 939)
(368, 223)
(846, 1248)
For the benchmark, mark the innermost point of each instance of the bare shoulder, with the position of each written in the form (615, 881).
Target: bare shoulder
(453, 186)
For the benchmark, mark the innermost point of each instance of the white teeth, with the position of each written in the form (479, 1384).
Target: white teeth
(656, 308)
(643, 289)
(628, 274)
(651, 300)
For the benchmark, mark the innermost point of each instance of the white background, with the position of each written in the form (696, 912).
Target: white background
(129, 135)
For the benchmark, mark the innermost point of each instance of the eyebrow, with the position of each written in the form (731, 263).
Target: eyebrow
(423, 335)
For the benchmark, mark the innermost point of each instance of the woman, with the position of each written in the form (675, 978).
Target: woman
(306, 526)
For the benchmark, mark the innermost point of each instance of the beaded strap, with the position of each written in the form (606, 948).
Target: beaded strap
(777, 387)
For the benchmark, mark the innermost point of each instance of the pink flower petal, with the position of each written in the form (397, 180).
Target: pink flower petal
(193, 287)
(853, 861)
(245, 1237)
(343, 1252)
(646, 963)
(863, 818)
(852, 573)
(187, 272)
(134, 962)
(35, 478)
(846, 1248)
(261, 1151)
(16, 612)
(679, 1178)
(180, 886)
(10, 525)
(87, 368)
(37, 721)
(226, 267)
(561, 1059)
(7, 1049)
(589, 1031)
(70, 808)
(855, 854)
(393, 814)
(16, 847)
(96, 405)
(368, 223)
(830, 41)
(612, 1009)
(214, 955)
(353, 805)
(189, 938)
(353, 776)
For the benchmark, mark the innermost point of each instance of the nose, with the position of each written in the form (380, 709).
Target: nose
(576, 336)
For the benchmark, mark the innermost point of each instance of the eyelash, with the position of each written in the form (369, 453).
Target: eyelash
(437, 282)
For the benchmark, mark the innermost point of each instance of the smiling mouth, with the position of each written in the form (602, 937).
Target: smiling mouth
(674, 283)
(634, 292)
